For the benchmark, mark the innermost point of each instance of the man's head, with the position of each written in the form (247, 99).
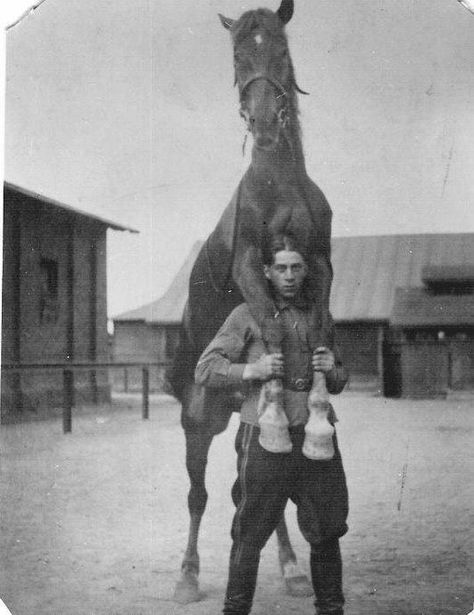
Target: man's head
(285, 266)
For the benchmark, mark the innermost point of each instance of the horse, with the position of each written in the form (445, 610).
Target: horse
(274, 195)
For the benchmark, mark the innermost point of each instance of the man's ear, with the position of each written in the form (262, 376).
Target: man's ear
(266, 271)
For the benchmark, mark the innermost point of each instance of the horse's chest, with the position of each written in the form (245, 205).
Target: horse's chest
(291, 217)
(275, 208)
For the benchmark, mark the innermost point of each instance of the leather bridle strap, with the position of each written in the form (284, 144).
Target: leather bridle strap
(276, 84)
(283, 116)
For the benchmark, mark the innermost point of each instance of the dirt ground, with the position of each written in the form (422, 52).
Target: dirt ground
(95, 522)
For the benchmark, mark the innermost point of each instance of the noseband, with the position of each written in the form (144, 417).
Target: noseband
(282, 115)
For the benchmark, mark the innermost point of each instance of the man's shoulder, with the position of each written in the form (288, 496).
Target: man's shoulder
(241, 313)
(241, 318)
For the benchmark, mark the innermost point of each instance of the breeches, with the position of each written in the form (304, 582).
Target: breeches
(265, 483)
(267, 480)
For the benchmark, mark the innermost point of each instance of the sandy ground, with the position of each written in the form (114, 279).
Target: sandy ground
(95, 522)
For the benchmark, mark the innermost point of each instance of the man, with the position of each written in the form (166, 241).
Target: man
(266, 480)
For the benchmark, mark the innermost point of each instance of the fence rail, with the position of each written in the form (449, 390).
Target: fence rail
(68, 380)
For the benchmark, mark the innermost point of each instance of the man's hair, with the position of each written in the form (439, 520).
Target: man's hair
(278, 242)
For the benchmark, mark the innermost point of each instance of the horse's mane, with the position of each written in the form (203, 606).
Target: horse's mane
(264, 19)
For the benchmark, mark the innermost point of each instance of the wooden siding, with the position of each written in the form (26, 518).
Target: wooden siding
(76, 330)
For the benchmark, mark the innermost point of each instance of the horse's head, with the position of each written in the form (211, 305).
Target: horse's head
(263, 71)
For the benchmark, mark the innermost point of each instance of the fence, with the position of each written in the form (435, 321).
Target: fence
(68, 370)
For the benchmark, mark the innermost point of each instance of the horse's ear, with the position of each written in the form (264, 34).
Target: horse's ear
(285, 12)
(226, 21)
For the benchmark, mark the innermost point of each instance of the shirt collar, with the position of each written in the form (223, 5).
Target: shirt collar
(300, 302)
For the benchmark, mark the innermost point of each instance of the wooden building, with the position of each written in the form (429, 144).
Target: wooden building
(431, 348)
(54, 304)
(150, 333)
(369, 273)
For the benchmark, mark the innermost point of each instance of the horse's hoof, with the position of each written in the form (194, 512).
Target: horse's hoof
(296, 582)
(187, 589)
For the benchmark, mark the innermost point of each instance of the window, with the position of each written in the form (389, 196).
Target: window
(48, 291)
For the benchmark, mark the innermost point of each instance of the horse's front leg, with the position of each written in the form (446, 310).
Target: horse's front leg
(318, 442)
(272, 420)
(248, 274)
(296, 581)
(197, 447)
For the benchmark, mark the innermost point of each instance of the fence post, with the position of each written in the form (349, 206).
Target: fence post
(67, 400)
(125, 380)
(146, 393)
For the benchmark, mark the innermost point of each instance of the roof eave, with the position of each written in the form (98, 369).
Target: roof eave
(70, 208)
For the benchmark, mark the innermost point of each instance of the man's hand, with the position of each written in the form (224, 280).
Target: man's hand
(268, 366)
(323, 360)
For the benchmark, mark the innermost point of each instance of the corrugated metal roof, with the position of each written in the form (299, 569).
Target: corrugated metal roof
(367, 272)
(416, 307)
(74, 210)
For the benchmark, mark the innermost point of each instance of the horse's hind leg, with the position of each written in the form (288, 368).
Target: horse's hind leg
(197, 448)
(296, 581)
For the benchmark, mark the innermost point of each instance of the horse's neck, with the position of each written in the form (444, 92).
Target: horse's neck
(285, 163)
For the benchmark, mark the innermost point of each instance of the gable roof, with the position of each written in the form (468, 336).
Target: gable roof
(8, 187)
(367, 272)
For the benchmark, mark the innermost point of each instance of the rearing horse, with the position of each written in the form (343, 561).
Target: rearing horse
(274, 195)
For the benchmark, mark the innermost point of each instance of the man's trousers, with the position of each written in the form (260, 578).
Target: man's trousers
(264, 484)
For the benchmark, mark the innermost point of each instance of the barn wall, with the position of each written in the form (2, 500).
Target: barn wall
(10, 287)
(138, 341)
(461, 362)
(141, 341)
(419, 365)
(89, 334)
(424, 369)
(360, 347)
(41, 242)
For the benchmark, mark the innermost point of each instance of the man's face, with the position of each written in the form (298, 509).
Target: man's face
(287, 273)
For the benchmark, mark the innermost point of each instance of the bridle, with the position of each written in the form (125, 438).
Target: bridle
(283, 114)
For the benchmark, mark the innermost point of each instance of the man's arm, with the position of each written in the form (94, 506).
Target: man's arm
(336, 378)
(221, 366)
(329, 362)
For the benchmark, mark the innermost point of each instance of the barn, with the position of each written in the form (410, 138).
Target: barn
(150, 332)
(390, 295)
(54, 304)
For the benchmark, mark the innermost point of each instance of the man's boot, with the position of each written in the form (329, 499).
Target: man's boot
(326, 575)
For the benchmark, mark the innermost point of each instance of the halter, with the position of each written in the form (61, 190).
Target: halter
(282, 115)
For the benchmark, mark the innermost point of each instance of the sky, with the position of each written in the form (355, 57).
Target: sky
(125, 108)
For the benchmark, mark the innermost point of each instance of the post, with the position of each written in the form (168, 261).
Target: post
(125, 380)
(146, 393)
(67, 400)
